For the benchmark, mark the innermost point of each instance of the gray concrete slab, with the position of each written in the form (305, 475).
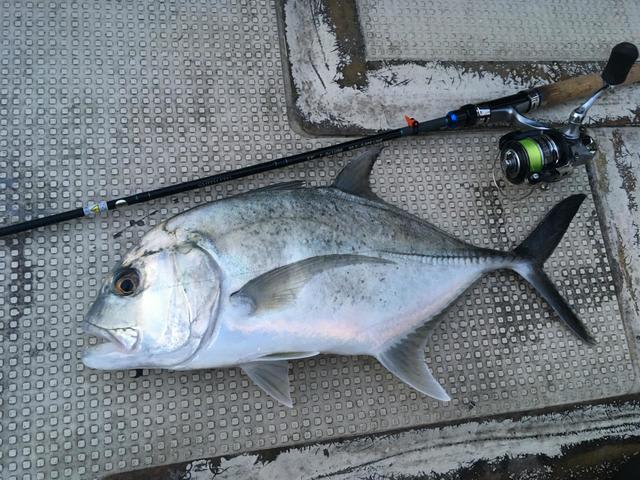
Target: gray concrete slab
(599, 442)
(424, 59)
(614, 176)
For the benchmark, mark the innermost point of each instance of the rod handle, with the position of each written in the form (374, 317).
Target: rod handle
(620, 62)
(579, 87)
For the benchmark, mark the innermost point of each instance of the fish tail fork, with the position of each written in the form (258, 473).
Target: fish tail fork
(530, 255)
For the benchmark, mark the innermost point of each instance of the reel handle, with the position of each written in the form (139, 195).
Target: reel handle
(620, 62)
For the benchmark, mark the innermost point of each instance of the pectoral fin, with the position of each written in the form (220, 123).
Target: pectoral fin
(280, 286)
(272, 377)
(405, 359)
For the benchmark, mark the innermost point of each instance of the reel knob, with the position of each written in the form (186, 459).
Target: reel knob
(620, 62)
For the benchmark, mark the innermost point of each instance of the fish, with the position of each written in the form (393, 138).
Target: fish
(288, 272)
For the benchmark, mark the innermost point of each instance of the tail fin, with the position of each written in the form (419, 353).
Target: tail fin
(534, 251)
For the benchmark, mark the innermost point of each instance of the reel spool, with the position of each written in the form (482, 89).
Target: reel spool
(536, 156)
(508, 189)
(540, 154)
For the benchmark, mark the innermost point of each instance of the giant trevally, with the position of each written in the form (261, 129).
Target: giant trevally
(289, 272)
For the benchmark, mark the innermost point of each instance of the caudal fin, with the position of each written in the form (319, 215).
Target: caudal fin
(534, 251)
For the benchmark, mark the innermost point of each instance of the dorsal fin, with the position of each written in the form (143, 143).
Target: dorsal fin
(405, 359)
(354, 177)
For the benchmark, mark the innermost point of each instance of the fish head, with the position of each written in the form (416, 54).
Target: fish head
(154, 309)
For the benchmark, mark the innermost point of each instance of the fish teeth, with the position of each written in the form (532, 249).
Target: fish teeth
(127, 336)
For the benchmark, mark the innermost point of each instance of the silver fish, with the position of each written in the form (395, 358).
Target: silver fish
(288, 272)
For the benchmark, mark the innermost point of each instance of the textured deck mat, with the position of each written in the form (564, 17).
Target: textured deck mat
(100, 99)
(496, 31)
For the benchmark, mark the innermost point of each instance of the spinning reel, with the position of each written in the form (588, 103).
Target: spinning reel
(543, 154)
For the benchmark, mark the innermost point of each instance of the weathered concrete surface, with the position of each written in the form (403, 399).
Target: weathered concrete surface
(336, 88)
(595, 441)
(615, 175)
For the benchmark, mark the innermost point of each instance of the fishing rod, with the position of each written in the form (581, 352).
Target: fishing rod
(537, 154)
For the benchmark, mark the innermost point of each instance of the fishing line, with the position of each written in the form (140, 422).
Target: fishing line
(505, 188)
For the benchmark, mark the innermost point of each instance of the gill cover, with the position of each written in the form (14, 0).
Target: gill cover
(163, 320)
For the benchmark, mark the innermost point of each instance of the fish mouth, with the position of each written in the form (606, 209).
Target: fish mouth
(124, 339)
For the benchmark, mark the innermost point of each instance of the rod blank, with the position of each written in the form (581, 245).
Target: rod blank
(548, 95)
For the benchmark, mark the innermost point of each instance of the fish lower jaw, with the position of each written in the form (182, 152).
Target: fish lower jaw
(115, 352)
(104, 356)
(124, 338)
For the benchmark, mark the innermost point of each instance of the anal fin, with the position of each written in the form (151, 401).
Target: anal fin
(405, 359)
(272, 377)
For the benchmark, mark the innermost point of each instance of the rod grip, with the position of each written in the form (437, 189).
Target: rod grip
(579, 87)
(620, 62)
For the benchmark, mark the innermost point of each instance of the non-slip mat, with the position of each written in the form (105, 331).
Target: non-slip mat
(100, 99)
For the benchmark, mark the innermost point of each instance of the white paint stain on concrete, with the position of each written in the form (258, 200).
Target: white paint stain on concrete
(616, 175)
(435, 450)
(420, 90)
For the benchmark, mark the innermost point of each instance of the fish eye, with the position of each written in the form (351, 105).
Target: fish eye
(126, 282)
